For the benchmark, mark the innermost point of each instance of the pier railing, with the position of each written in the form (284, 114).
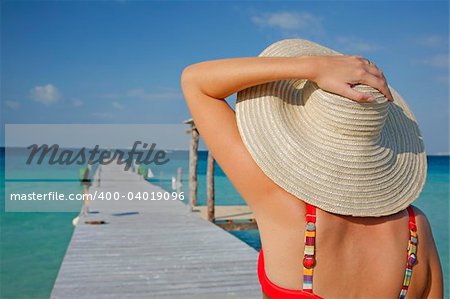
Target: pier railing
(229, 218)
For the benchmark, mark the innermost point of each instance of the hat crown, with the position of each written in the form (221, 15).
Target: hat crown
(343, 117)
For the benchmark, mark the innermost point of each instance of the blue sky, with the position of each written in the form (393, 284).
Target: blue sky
(120, 61)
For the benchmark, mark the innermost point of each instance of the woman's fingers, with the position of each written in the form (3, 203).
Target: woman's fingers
(370, 67)
(379, 84)
(348, 92)
(380, 81)
(374, 70)
(387, 93)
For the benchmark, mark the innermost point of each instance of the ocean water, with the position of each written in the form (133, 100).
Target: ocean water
(33, 245)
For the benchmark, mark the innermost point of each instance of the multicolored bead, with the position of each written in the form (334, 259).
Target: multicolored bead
(310, 226)
(308, 262)
(412, 259)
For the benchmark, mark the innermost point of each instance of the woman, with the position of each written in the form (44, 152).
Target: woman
(274, 152)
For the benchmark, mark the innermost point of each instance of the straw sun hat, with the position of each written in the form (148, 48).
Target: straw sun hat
(345, 157)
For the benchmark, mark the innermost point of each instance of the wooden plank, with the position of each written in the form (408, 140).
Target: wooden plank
(227, 212)
(152, 249)
(234, 226)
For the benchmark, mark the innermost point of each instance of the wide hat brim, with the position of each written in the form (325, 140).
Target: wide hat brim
(334, 175)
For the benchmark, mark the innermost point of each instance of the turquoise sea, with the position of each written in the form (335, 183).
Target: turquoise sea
(33, 244)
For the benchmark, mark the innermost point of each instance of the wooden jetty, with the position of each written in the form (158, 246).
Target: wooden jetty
(152, 249)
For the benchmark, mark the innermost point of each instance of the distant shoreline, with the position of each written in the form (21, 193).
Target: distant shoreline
(2, 148)
(440, 154)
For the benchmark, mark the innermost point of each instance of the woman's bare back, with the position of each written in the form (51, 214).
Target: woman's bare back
(355, 257)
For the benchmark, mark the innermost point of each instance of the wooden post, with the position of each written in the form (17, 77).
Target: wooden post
(193, 163)
(179, 181)
(210, 187)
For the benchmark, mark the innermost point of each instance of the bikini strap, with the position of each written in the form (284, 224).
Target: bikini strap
(310, 241)
(411, 252)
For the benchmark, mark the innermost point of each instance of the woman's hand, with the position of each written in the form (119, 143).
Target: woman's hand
(338, 74)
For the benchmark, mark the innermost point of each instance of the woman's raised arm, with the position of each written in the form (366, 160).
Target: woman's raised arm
(221, 78)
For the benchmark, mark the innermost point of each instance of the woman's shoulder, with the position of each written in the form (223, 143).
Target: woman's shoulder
(425, 235)
(428, 272)
(421, 217)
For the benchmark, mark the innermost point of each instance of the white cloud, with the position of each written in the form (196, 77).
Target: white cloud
(118, 106)
(436, 61)
(47, 94)
(290, 21)
(14, 105)
(77, 102)
(354, 44)
(432, 41)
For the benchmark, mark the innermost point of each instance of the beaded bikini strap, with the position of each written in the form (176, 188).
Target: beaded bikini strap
(411, 252)
(310, 241)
